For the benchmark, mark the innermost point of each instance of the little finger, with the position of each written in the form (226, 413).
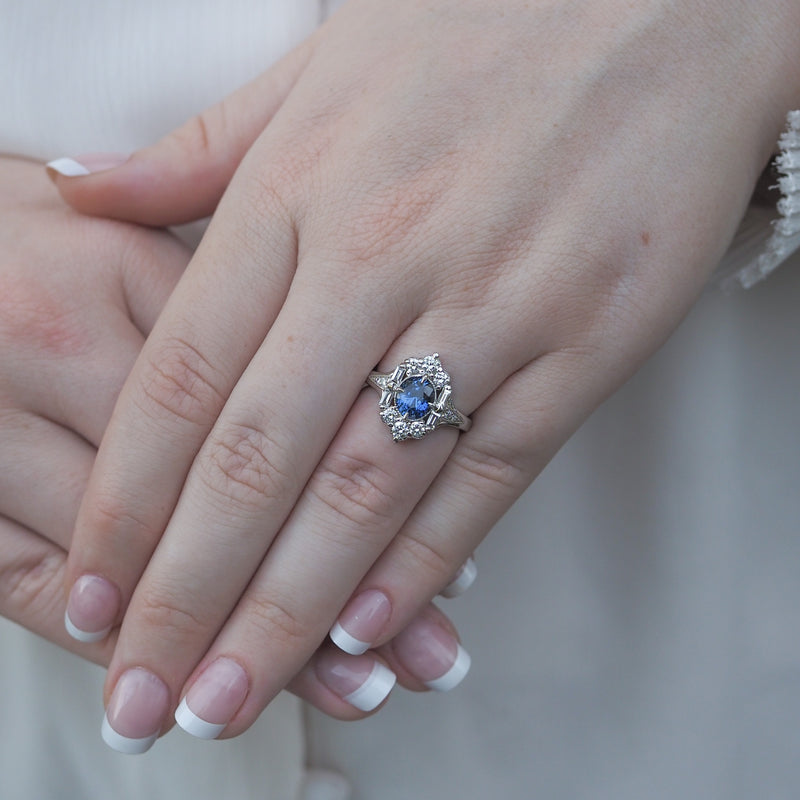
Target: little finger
(32, 589)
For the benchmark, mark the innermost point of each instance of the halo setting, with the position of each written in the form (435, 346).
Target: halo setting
(416, 398)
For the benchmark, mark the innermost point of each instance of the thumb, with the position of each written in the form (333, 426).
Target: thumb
(182, 177)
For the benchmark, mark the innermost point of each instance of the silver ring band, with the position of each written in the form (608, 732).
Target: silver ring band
(416, 398)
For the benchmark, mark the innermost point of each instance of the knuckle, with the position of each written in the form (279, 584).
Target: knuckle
(391, 217)
(283, 179)
(426, 556)
(248, 466)
(35, 321)
(109, 516)
(274, 621)
(179, 381)
(199, 135)
(161, 611)
(31, 586)
(355, 489)
(384, 225)
(491, 470)
(268, 196)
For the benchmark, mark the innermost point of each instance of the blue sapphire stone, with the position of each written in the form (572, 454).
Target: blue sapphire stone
(414, 399)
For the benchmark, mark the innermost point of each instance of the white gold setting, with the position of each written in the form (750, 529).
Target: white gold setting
(416, 398)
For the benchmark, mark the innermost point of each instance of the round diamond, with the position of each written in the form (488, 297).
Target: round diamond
(400, 430)
(414, 399)
(390, 415)
(417, 430)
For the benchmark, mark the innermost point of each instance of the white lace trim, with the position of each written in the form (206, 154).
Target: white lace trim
(762, 242)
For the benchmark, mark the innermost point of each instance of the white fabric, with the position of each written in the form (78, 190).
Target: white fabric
(767, 237)
(633, 625)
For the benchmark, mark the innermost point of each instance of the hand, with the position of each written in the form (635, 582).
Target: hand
(77, 298)
(538, 193)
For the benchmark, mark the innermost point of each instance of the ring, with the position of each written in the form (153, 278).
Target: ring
(416, 398)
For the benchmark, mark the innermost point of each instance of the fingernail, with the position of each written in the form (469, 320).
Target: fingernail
(464, 578)
(86, 164)
(361, 622)
(213, 699)
(432, 654)
(361, 680)
(136, 712)
(91, 609)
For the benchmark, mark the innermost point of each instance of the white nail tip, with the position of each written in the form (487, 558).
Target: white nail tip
(122, 744)
(374, 690)
(344, 641)
(68, 167)
(84, 636)
(192, 724)
(454, 675)
(465, 578)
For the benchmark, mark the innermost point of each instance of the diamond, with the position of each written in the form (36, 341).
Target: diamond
(400, 430)
(417, 430)
(440, 379)
(450, 416)
(390, 415)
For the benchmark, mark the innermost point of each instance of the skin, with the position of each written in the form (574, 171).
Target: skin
(538, 191)
(75, 307)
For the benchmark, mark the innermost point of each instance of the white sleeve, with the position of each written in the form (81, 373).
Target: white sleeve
(768, 236)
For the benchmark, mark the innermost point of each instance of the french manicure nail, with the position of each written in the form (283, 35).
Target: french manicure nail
(463, 579)
(213, 699)
(86, 164)
(361, 622)
(359, 680)
(91, 609)
(135, 712)
(432, 654)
